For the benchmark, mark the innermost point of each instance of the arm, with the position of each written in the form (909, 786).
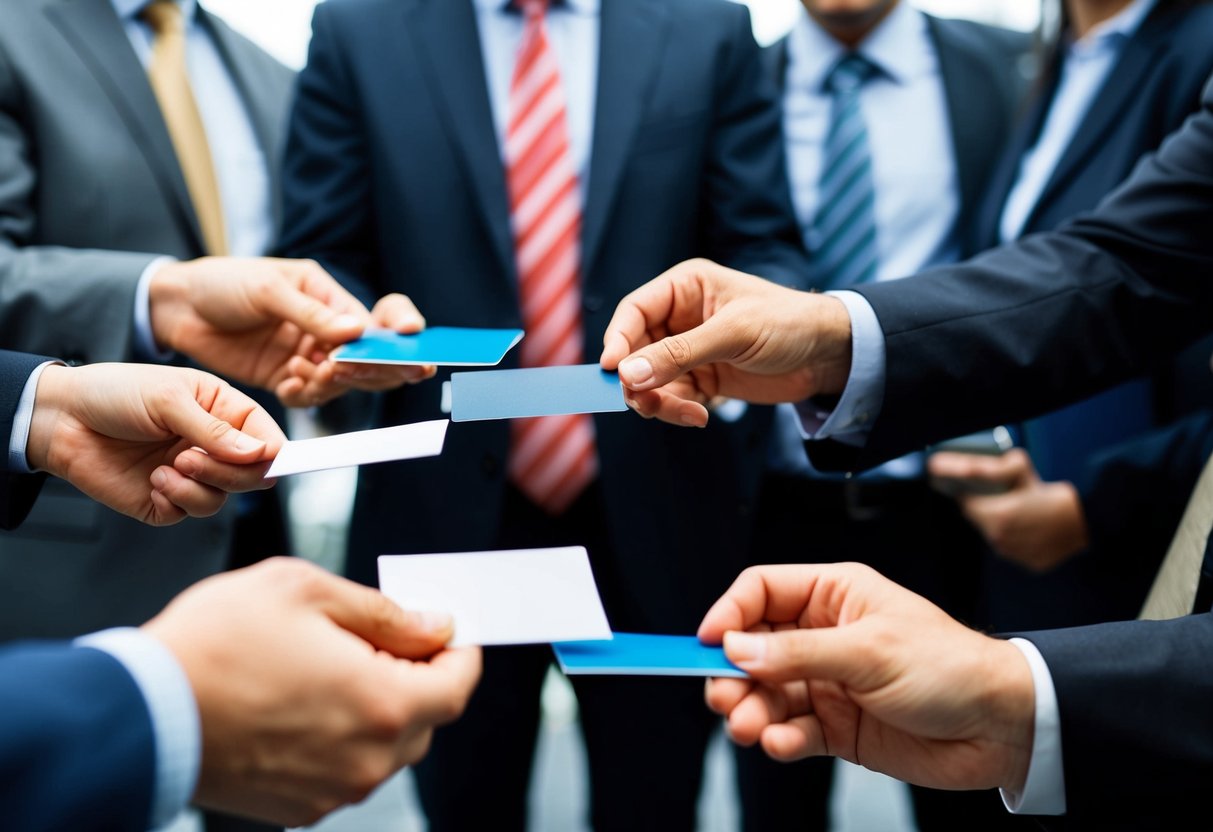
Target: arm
(18, 491)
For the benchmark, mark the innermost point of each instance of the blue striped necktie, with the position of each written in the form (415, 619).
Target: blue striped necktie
(843, 235)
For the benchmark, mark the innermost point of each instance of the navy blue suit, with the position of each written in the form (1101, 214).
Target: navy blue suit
(76, 743)
(394, 182)
(1154, 86)
(1039, 324)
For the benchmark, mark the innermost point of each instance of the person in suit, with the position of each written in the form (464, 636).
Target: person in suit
(105, 733)
(1011, 333)
(524, 164)
(1122, 77)
(108, 204)
(936, 99)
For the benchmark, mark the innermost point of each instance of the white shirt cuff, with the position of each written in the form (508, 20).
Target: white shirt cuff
(174, 713)
(19, 440)
(1044, 791)
(851, 419)
(145, 340)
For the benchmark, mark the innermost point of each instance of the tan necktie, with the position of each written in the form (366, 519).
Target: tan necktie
(171, 83)
(1174, 591)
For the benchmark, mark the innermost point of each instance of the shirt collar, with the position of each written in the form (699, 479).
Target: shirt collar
(900, 47)
(129, 9)
(578, 6)
(1116, 29)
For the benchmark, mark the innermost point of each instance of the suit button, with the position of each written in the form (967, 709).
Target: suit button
(592, 303)
(489, 465)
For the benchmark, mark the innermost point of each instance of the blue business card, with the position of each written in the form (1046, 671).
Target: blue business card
(449, 346)
(539, 391)
(639, 654)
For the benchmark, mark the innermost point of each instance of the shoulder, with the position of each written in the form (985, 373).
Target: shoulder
(717, 14)
(244, 49)
(971, 36)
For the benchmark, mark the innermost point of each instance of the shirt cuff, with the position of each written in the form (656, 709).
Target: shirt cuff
(1044, 791)
(145, 340)
(174, 714)
(851, 418)
(19, 440)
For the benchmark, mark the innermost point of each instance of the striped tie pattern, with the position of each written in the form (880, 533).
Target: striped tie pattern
(843, 234)
(552, 459)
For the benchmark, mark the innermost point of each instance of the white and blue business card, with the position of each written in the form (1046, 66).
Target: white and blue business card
(539, 391)
(642, 654)
(447, 346)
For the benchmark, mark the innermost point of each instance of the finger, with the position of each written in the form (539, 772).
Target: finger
(184, 416)
(832, 653)
(228, 478)
(668, 407)
(164, 512)
(397, 312)
(375, 377)
(762, 707)
(795, 739)
(315, 281)
(370, 615)
(302, 302)
(772, 594)
(192, 498)
(439, 690)
(665, 360)
(723, 695)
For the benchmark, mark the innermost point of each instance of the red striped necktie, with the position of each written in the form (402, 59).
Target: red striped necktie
(552, 458)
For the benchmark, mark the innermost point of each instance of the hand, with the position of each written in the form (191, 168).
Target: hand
(265, 322)
(128, 435)
(700, 331)
(1034, 523)
(860, 668)
(311, 689)
(395, 312)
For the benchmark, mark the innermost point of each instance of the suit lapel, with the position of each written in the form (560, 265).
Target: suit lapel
(1118, 91)
(446, 39)
(96, 33)
(260, 105)
(631, 34)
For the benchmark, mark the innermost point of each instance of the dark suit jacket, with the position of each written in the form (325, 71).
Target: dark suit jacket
(1036, 325)
(394, 182)
(77, 749)
(90, 193)
(983, 86)
(1154, 86)
(17, 491)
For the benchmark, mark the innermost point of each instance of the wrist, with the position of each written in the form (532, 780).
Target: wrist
(830, 352)
(50, 398)
(167, 295)
(1011, 706)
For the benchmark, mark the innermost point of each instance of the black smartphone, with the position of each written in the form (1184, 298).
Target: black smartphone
(988, 442)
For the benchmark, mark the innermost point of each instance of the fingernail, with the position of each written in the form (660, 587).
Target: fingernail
(159, 479)
(691, 420)
(434, 622)
(744, 647)
(636, 371)
(247, 444)
(346, 322)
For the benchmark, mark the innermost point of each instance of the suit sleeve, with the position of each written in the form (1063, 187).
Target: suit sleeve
(749, 220)
(1053, 318)
(76, 742)
(17, 491)
(1136, 723)
(76, 303)
(326, 199)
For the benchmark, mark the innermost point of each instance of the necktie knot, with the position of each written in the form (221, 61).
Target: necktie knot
(532, 9)
(850, 73)
(164, 16)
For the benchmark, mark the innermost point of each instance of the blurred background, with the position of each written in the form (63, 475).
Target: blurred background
(320, 505)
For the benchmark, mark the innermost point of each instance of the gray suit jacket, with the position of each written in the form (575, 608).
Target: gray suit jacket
(90, 194)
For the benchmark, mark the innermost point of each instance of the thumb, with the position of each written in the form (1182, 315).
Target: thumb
(185, 417)
(373, 617)
(661, 362)
(828, 653)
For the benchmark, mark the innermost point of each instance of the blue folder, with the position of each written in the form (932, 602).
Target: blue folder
(449, 346)
(639, 654)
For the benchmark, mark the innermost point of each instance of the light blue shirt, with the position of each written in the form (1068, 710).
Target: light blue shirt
(1085, 67)
(572, 29)
(241, 167)
(917, 192)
